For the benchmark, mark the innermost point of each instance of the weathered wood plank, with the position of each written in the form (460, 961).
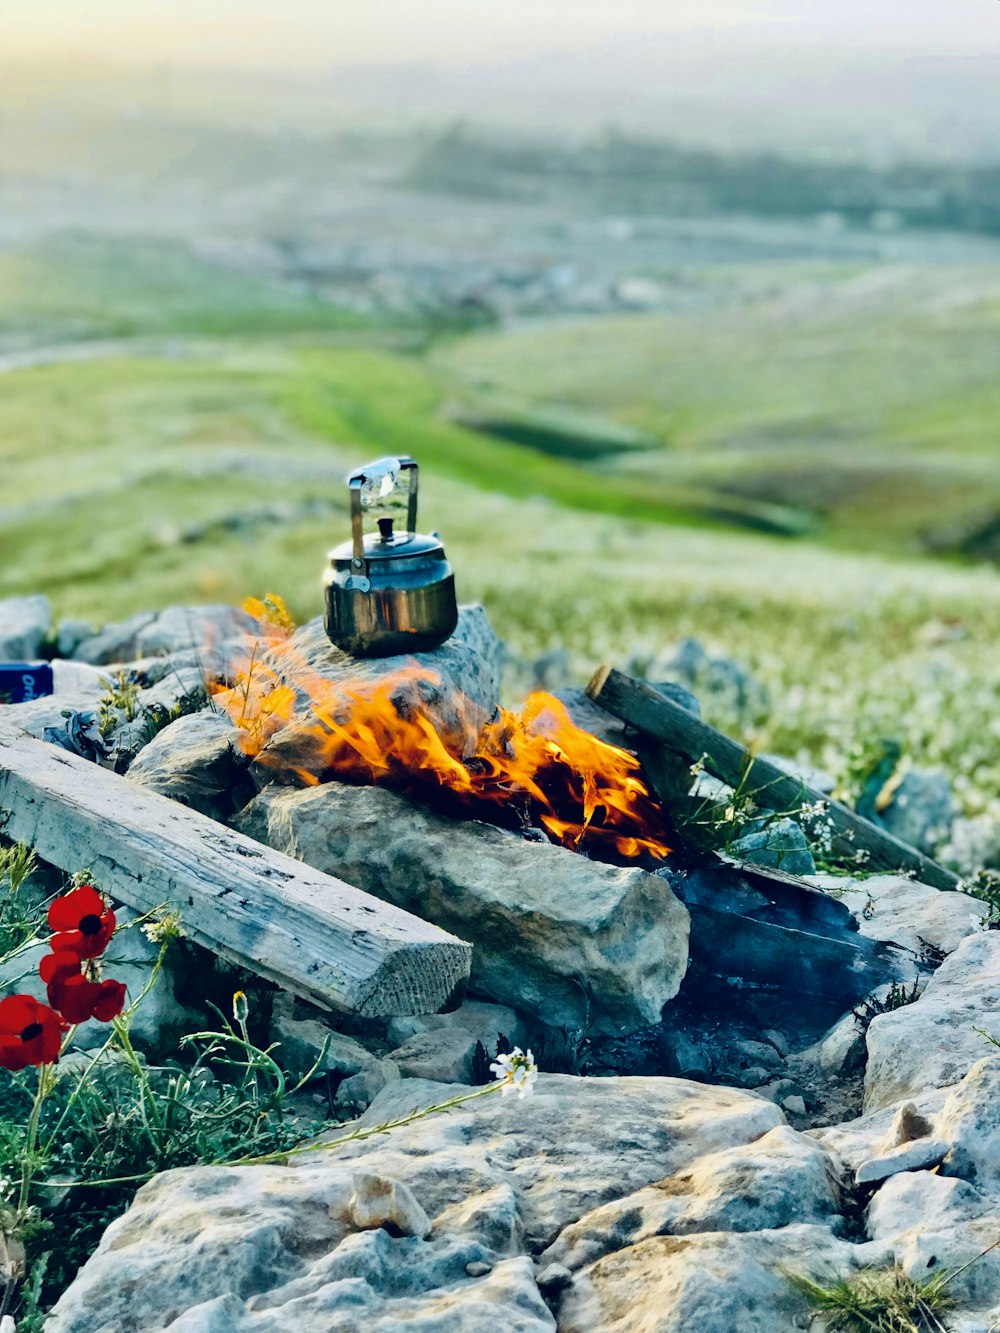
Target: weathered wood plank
(315, 935)
(642, 707)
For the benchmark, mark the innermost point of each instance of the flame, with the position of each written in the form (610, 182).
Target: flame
(534, 768)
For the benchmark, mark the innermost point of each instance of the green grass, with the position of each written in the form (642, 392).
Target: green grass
(869, 402)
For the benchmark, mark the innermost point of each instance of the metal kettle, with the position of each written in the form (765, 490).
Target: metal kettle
(388, 592)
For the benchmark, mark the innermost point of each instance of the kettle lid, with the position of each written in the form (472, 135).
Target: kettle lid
(386, 545)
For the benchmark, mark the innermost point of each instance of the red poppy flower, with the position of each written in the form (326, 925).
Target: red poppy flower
(30, 1033)
(83, 922)
(110, 1002)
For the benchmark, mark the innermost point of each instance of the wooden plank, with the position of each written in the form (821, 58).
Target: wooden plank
(314, 935)
(642, 707)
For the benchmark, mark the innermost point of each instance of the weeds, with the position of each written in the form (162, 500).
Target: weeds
(896, 997)
(879, 1301)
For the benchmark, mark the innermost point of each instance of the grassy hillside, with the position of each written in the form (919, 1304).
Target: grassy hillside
(171, 466)
(867, 402)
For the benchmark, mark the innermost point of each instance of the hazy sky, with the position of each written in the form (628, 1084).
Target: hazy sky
(300, 33)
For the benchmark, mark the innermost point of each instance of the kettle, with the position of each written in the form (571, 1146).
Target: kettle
(388, 592)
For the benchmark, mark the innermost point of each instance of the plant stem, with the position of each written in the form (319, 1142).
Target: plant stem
(367, 1132)
(28, 1162)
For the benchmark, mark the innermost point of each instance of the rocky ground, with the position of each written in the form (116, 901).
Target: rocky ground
(703, 1140)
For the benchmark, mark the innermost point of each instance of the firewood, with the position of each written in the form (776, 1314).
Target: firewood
(314, 935)
(678, 731)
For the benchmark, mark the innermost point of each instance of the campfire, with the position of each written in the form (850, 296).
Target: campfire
(533, 769)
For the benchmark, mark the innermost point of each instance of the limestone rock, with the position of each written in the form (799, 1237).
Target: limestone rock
(781, 1179)
(359, 1091)
(301, 1042)
(928, 1223)
(186, 627)
(555, 934)
(780, 844)
(918, 1155)
(117, 642)
(894, 908)
(195, 760)
(922, 810)
(715, 1282)
(445, 1056)
(933, 1043)
(485, 1022)
(24, 623)
(970, 1122)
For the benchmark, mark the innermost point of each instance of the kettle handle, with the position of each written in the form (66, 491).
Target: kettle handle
(355, 481)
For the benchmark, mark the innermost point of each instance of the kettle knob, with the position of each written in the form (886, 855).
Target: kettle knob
(374, 481)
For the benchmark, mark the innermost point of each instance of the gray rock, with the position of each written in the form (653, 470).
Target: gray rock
(794, 1105)
(919, 1155)
(781, 844)
(934, 1043)
(573, 940)
(692, 666)
(970, 1123)
(755, 1053)
(893, 908)
(195, 760)
(359, 1091)
(712, 1281)
(688, 1058)
(71, 634)
(778, 1040)
(816, 778)
(186, 627)
(755, 1076)
(381, 1234)
(116, 642)
(484, 1022)
(24, 623)
(922, 810)
(301, 1042)
(781, 1179)
(443, 1056)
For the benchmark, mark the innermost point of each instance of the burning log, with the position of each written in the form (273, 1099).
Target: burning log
(678, 731)
(315, 935)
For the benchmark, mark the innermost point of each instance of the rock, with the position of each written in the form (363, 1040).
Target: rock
(715, 1282)
(780, 844)
(878, 1132)
(575, 941)
(359, 1091)
(895, 909)
(24, 624)
(301, 1043)
(753, 1077)
(688, 1059)
(970, 1123)
(933, 1043)
(485, 1022)
(928, 1224)
(755, 1053)
(443, 1056)
(728, 681)
(71, 634)
(553, 1278)
(920, 1155)
(196, 760)
(794, 1104)
(114, 643)
(816, 778)
(341, 1241)
(922, 810)
(778, 1040)
(781, 1179)
(191, 627)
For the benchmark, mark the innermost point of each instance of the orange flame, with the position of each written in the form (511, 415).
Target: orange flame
(533, 767)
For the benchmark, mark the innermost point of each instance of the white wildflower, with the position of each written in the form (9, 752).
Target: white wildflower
(516, 1071)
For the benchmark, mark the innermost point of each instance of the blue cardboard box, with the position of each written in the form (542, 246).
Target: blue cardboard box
(22, 681)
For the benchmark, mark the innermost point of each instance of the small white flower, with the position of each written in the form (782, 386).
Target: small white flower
(516, 1071)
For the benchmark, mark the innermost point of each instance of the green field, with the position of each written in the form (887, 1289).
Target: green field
(185, 440)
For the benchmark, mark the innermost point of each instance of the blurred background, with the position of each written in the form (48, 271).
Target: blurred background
(689, 310)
